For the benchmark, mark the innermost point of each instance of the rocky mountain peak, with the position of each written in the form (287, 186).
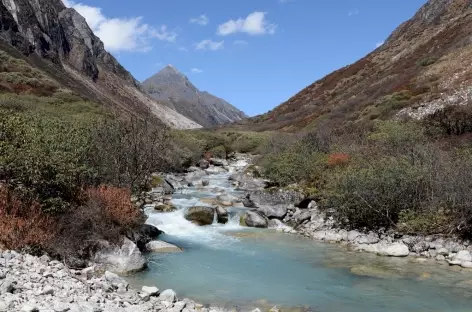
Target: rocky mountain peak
(172, 87)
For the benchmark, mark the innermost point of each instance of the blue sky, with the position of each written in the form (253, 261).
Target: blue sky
(253, 53)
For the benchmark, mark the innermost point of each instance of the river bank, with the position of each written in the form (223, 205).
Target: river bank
(234, 262)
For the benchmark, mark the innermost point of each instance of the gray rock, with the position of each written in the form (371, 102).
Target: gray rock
(114, 279)
(353, 235)
(200, 215)
(203, 164)
(60, 307)
(222, 215)
(219, 162)
(152, 291)
(125, 260)
(48, 290)
(168, 295)
(253, 219)
(443, 251)
(29, 308)
(160, 246)
(274, 211)
(385, 249)
(7, 285)
(205, 182)
(370, 238)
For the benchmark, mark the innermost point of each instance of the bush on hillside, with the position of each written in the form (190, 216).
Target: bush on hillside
(453, 120)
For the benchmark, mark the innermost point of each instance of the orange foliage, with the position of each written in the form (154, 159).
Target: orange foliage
(338, 159)
(23, 224)
(116, 203)
(208, 155)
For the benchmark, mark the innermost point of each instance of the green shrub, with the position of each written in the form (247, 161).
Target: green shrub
(427, 61)
(373, 195)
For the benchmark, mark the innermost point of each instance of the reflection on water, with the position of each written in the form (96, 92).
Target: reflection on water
(244, 268)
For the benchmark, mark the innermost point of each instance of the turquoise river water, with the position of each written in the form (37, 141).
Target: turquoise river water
(235, 267)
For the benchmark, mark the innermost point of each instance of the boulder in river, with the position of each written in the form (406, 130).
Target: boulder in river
(161, 207)
(200, 215)
(160, 246)
(253, 219)
(219, 162)
(222, 215)
(144, 235)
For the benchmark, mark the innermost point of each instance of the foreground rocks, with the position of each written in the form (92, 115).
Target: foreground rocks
(30, 283)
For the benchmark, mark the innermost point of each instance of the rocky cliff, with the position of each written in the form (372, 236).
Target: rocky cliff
(58, 41)
(423, 66)
(173, 88)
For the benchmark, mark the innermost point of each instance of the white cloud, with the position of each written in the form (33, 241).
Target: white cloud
(353, 12)
(201, 20)
(121, 34)
(162, 33)
(197, 71)
(183, 49)
(379, 44)
(209, 44)
(240, 42)
(254, 24)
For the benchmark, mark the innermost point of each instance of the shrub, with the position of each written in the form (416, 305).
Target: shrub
(23, 224)
(134, 149)
(44, 159)
(116, 204)
(427, 61)
(373, 195)
(338, 159)
(453, 120)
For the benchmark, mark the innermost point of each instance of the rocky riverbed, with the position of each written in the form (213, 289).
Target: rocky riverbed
(29, 283)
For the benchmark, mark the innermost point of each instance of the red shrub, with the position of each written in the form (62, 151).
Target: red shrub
(23, 224)
(208, 155)
(116, 203)
(338, 159)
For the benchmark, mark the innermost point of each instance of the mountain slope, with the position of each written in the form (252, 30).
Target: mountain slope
(173, 88)
(422, 66)
(58, 41)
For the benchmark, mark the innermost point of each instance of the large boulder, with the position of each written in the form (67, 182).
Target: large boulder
(200, 215)
(386, 249)
(254, 219)
(273, 211)
(275, 197)
(123, 260)
(222, 215)
(160, 246)
(143, 235)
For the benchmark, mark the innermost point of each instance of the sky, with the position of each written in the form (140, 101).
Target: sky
(255, 54)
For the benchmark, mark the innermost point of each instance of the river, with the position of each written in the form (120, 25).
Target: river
(242, 268)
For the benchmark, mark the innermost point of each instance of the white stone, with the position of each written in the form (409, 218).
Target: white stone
(153, 291)
(168, 295)
(160, 246)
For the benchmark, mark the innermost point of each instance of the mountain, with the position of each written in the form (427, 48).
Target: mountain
(422, 66)
(58, 42)
(173, 88)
